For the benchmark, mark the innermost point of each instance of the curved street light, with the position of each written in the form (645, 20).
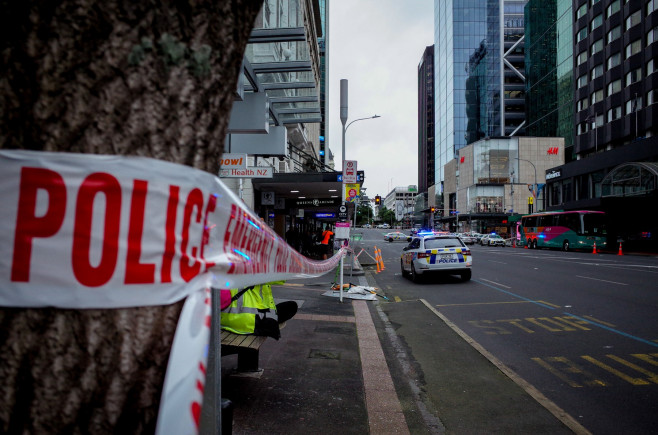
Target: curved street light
(343, 150)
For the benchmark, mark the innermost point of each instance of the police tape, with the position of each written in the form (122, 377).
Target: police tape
(90, 231)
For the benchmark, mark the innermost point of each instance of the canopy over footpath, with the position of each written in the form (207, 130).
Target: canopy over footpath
(150, 78)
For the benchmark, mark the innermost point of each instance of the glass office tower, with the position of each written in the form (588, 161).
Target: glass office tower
(479, 67)
(549, 70)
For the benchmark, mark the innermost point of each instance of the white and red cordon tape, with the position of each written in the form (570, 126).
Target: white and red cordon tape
(90, 231)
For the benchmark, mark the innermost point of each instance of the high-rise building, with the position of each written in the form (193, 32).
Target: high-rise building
(426, 120)
(549, 71)
(479, 75)
(615, 147)
(323, 44)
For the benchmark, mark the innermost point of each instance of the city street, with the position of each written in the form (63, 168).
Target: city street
(577, 329)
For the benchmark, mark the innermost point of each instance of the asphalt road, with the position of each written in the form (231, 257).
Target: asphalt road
(578, 327)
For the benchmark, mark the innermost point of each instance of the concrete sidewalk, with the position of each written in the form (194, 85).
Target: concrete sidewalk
(343, 368)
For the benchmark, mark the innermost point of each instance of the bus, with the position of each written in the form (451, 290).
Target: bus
(564, 230)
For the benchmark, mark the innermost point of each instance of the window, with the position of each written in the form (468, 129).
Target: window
(650, 67)
(582, 128)
(652, 35)
(595, 2)
(633, 48)
(582, 58)
(597, 46)
(613, 8)
(581, 11)
(582, 34)
(597, 21)
(614, 87)
(597, 96)
(583, 104)
(614, 113)
(634, 19)
(652, 6)
(598, 121)
(614, 60)
(582, 80)
(650, 98)
(597, 71)
(614, 34)
(633, 105)
(634, 76)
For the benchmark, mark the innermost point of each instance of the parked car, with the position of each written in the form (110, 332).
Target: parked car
(436, 254)
(396, 235)
(467, 239)
(495, 240)
(484, 240)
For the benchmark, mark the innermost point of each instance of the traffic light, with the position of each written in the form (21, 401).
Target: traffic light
(378, 200)
(432, 209)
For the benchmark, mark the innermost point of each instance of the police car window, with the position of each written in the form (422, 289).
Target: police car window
(415, 244)
(443, 243)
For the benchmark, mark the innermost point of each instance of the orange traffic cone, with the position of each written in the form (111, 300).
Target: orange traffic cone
(594, 251)
(619, 253)
(377, 259)
(381, 260)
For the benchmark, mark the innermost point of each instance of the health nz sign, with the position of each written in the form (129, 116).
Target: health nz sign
(250, 172)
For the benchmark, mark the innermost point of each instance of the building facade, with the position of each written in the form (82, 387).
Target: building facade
(615, 147)
(479, 76)
(426, 120)
(549, 71)
(401, 200)
(494, 179)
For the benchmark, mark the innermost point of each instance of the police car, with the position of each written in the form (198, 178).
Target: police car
(396, 235)
(436, 253)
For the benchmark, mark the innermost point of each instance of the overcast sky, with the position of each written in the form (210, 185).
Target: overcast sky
(377, 45)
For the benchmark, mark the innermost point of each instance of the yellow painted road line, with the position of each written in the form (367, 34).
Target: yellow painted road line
(604, 366)
(549, 304)
(558, 412)
(651, 375)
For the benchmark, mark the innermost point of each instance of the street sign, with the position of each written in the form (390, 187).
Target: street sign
(267, 198)
(233, 161)
(342, 213)
(349, 171)
(251, 172)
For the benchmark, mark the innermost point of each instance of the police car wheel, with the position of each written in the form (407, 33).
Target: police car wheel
(414, 276)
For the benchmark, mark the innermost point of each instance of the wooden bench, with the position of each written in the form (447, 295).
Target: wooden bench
(246, 346)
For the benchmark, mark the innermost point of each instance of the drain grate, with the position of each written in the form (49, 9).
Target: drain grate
(324, 354)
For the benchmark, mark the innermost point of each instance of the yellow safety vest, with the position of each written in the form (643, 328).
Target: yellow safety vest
(240, 316)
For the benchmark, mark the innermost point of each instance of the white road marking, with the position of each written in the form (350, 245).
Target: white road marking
(604, 280)
(497, 283)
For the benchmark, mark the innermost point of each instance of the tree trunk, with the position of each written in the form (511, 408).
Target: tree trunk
(149, 78)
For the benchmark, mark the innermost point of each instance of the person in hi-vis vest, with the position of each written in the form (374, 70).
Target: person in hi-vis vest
(253, 311)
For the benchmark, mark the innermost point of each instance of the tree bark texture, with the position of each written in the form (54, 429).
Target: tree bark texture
(149, 78)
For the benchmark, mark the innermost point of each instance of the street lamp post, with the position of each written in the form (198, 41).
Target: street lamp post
(343, 120)
(534, 188)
